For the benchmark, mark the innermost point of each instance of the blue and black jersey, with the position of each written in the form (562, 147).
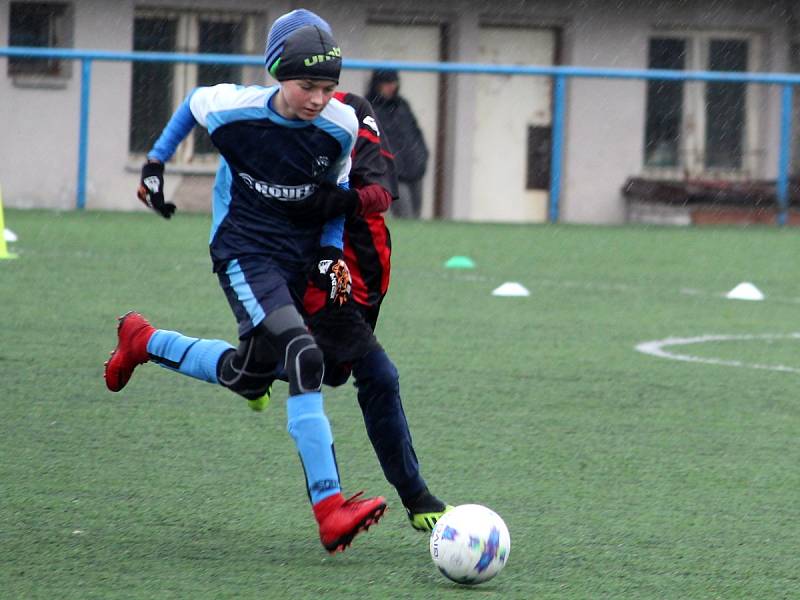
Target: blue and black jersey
(267, 163)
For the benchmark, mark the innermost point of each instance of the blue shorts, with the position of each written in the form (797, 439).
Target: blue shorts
(255, 286)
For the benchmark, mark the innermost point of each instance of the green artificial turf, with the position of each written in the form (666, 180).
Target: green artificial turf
(619, 474)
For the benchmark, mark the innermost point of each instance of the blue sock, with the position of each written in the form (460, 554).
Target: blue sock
(311, 431)
(191, 356)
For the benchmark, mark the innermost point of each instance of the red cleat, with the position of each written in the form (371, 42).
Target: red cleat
(341, 520)
(133, 333)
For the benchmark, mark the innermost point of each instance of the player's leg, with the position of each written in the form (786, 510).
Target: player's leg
(139, 342)
(339, 520)
(247, 370)
(251, 369)
(263, 302)
(378, 385)
(346, 337)
(343, 336)
(371, 314)
(307, 422)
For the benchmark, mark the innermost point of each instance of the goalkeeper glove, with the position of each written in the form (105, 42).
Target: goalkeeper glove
(151, 189)
(331, 275)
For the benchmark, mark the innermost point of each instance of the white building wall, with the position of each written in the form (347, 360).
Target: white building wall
(604, 126)
(36, 169)
(41, 122)
(605, 120)
(108, 25)
(457, 201)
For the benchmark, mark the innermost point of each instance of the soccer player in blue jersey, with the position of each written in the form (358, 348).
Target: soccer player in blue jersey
(278, 145)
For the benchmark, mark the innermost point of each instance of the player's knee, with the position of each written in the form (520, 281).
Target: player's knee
(387, 374)
(304, 363)
(302, 357)
(377, 371)
(246, 370)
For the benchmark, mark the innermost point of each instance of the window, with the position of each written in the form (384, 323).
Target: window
(725, 106)
(158, 88)
(40, 25)
(216, 37)
(697, 127)
(664, 104)
(539, 145)
(153, 83)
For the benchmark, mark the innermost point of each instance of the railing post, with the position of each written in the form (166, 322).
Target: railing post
(557, 146)
(83, 134)
(785, 156)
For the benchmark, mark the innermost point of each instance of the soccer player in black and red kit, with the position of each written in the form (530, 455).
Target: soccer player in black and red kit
(345, 332)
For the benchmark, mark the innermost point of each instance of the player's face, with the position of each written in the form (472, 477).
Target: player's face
(304, 98)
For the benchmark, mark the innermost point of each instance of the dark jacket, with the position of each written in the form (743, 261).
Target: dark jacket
(405, 137)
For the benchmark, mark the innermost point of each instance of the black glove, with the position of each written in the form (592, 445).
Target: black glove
(330, 274)
(327, 202)
(151, 189)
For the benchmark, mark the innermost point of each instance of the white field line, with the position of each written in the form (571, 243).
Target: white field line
(657, 348)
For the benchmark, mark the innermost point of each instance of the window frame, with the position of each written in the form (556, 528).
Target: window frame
(693, 131)
(61, 35)
(185, 74)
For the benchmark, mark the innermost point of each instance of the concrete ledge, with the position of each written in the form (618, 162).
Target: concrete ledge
(706, 202)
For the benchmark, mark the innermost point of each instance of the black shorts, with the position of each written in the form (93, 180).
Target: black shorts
(343, 333)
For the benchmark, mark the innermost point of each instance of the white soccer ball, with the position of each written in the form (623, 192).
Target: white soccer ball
(470, 544)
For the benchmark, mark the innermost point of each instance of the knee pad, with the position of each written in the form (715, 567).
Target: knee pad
(251, 368)
(305, 366)
(301, 356)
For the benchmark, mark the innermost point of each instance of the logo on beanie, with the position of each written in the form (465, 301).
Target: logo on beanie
(331, 54)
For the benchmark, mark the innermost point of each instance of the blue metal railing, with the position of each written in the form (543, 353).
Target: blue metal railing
(787, 81)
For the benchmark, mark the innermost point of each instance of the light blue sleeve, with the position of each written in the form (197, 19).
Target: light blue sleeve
(333, 230)
(179, 126)
(333, 233)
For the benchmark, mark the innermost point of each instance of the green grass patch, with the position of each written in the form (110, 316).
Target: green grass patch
(620, 475)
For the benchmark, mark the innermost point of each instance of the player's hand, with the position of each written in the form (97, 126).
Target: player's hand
(327, 202)
(331, 275)
(333, 200)
(151, 189)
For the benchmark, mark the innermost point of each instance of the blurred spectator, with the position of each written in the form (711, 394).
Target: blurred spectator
(405, 139)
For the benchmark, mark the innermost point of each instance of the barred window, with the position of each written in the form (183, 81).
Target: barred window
(664, 104)
(39, 25)
(702, 128)
(153, 83)
(158, 88)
